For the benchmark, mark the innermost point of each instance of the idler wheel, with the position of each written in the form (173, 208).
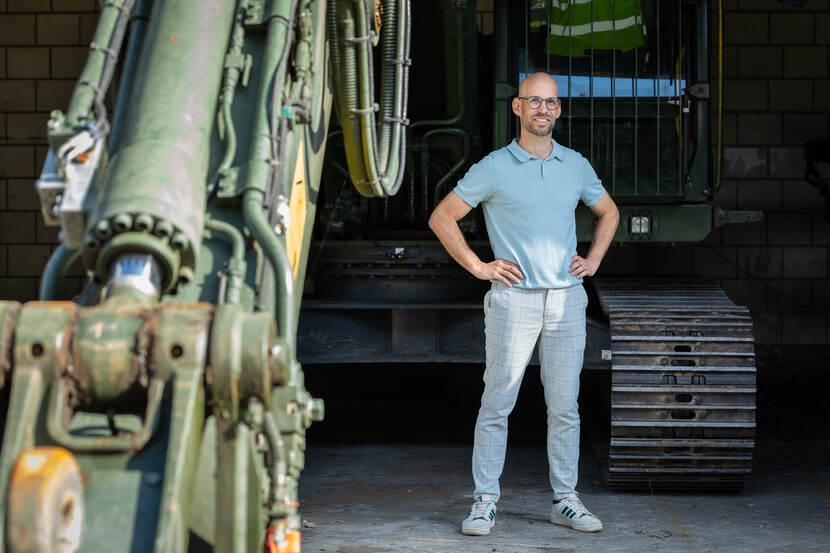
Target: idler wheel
(45, 507)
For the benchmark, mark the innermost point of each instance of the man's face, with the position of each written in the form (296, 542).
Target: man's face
(538, 121)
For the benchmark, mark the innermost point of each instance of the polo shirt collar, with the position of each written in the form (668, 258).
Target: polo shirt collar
(523, 155)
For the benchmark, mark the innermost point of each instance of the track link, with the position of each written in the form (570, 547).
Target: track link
(682, 386)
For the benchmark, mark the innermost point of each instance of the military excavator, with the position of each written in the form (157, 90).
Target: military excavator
(163, 408)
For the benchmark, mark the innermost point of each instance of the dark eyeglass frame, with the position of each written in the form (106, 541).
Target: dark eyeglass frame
(535, 102)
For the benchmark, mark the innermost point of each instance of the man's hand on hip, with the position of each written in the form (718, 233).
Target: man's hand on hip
(501, 270)
(581, 267)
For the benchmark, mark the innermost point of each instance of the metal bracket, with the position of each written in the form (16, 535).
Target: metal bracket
(505, 91)
(699, 91)
(731, 216)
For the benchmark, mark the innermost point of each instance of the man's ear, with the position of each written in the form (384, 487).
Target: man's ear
(516, 105)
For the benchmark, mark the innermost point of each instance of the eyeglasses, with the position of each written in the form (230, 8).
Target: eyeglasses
(535, 102)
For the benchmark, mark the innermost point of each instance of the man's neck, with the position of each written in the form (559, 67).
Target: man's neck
(539, 146)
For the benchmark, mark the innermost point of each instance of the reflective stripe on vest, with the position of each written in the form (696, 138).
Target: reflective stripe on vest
(614, 24)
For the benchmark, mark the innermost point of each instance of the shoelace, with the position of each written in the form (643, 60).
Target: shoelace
(576, 505)
(480, 509)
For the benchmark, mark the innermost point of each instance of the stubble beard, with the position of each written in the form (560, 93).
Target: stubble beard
(547, 130)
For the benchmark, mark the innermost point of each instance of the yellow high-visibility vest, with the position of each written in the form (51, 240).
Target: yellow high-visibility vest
(577, 26)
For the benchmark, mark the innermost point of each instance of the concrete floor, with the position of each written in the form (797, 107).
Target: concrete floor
(411, 498)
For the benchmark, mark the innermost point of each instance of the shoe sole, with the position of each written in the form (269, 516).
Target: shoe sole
(567, 522)
(477, 531)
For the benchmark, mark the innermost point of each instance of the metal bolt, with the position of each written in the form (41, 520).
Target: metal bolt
(122, 222)
(153, 479)
(143, 222)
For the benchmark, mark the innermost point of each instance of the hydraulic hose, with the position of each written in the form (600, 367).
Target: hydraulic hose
(375, 151)
(56, 267)
(236, 264)
(278, 258)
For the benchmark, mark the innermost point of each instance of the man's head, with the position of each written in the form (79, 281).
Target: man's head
(538, 121)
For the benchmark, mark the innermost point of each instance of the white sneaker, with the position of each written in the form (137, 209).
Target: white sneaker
(482, 517)
(571, 512)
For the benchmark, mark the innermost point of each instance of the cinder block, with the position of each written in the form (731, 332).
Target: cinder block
(801, 328)
(3, 62)
(759, 262)
(821, 230)
(745, 234)
(54, 94)
(801, 196)
(730, 129)
(3, 188)
(715, 238)
(20, 289)
(27, 5)
(30, 127)
(789, 229)
(2, 128)
(749, 293)
(763, 5)
(714, 261)
(800, 128)
(744, 163)
(27, 63)
(22, 195)
(46, 235)
(28, 260)
(73, 5)
(822, 28)
(68, 61)
(17, 95)
(786, 161)
(89, 21)
(3, 263)
(791, 95)
(805, 61)
(782, 295)
(730, 62)
(40, 158)
(726, 195)
(17, 161)
(759, 128)
(61, 29)
(17, 227)
(745, 28)
(791, 28)
(761, 194)
(761, 61)
(767, 328)
(821, 295)
(17, 29)
(744, 95)
(822, 95)
(804, 262)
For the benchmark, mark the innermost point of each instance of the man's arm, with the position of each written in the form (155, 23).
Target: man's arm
(444, 223)
(608, 218)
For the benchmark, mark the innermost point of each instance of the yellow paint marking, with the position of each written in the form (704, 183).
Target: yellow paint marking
(817, 486)
(297, 208)
(678, 526)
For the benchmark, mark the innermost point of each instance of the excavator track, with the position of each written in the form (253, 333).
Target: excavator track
(682, 386)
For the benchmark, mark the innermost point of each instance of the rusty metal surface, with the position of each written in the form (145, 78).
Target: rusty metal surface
(682, 386)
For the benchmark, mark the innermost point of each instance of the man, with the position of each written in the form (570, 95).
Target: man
(529, 190)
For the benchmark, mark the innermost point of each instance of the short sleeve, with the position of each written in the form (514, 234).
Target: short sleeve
(592, 189)
(477, 185)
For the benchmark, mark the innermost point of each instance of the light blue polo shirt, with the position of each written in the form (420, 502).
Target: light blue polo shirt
(529, 208)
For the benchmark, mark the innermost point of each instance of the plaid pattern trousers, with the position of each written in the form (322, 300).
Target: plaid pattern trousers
(515, 319)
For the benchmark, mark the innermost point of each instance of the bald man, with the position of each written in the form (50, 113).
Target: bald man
(529, 191)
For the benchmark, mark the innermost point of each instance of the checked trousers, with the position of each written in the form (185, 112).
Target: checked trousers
(515, 319)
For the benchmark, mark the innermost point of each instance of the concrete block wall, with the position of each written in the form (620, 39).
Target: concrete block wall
(43, 46)
(777, 98)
